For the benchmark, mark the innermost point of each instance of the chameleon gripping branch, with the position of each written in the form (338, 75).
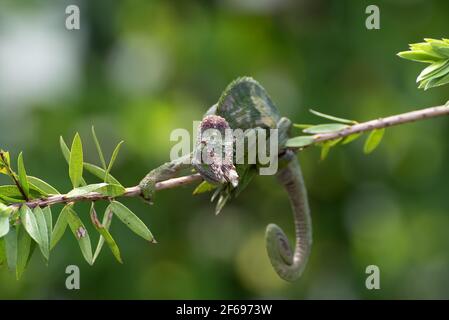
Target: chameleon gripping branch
(243, 105)
(136, 191)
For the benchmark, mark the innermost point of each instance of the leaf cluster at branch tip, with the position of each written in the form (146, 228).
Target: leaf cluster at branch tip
(436, 54)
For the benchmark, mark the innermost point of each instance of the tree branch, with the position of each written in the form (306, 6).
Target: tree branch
(402, 118)
(176, 182)
(95, 196)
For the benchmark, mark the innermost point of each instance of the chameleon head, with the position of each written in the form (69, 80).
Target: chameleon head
(213, 156)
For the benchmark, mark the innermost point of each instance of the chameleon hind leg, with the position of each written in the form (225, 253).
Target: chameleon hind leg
(287, 263)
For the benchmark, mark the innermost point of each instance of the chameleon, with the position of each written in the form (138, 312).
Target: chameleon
(244, 105)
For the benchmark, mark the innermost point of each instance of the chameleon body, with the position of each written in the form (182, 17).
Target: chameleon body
(246, 105)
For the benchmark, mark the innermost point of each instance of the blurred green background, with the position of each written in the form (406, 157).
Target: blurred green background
(139, 69)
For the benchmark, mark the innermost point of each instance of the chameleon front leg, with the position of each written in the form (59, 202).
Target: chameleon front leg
(289, 264)
(164, 172)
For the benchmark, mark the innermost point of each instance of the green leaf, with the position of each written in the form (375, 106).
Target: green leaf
(324, 151)
(44, 233)
(245, 178)
(221, 202)
(64, 149)
(23, 250)
(204, 187)
(441, 81)
(325, 128)
(60, 226)
(100, 173)
(2, 252)
(113, 157)
(10, 191)
(85, 189)
(4, 225)
(105, 234)
(81, 234)
(41, 186)
(440, 48)
(131, 220)
(107, 220)
(30, 223)
(11, 248)
(373, 140)
(76, 161)
(299, 142)
(326, 146)
(5, 211)
(4, 165)
(49, 221)
(112, 190)
(431, 70)
(420, 56)
(302, 126)
(351, 138)
(100, 152)
(329, 117)
(23, 176)
(8, 200)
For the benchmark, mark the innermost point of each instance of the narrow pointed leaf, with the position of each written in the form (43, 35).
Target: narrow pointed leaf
(107, 220)
(2, 252)
(420, 56)
(4, 225)
(81, 234)
(11, 248)
(112, 190)
(299, 142)
(97, 144)
(351, 138)
(204, 187)
(373, 140)
(4, 166)
(324, 151)
(221, 202)
(42, 186)
(30, 223)
(49, 222)
(329, 117)
(131, 220)
(106, 235)
(64, 149)
(23, 250)
(66, 153)
(60, 227)
(85, 189)
(44, 233)
(325, 128)
(10, 191)
(113, 157)
(100, 173)
(76, 161)
(23, 175)
(302, 126)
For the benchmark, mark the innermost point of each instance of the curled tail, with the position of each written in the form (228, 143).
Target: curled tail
(289, 264)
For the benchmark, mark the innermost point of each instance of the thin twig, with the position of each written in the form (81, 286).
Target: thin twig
(385, 122)
(95, 196)
(13, 176)
(176, 182)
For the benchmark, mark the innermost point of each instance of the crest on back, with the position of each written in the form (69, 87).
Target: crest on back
(245, 104)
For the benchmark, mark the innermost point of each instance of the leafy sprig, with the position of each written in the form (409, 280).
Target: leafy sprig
(436, 53)
(314, 131)
(23, 227)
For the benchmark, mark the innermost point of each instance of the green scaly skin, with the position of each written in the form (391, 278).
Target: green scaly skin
(246, 105)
